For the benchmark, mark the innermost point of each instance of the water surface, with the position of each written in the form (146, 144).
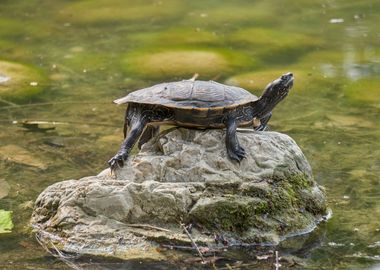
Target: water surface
(92, 52)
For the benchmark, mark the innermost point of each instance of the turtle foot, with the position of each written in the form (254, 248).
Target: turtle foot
(237, 154)
(118, 160)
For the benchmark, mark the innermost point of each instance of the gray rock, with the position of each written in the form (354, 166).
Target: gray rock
(179, 177)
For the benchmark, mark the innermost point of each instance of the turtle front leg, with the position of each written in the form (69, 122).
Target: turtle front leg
(234, 150)
(135, 130)
(264, 122)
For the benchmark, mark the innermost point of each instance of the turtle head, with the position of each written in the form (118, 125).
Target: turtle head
(277, 90)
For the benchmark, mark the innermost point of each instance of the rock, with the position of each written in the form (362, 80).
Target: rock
(183, 63)
(104, 11)
(11, 28)
(82, 62)
(201, 157)
(231, 14)
(19, 82)
(4, 188)
(268, 42)
(363, 91)
(258, 80)
(19, 155)
(178, 36)
(185, 176)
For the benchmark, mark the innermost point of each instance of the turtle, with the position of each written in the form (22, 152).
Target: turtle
(197, 104)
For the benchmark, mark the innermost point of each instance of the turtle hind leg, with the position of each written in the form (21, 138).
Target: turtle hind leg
(135, 127)
(234, 150)
(264, 122)
(149, 132)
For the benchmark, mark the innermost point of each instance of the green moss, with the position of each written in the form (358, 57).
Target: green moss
(286, 193)
(231, 14)
(322, 57)
(233, 214)
(19, 82)
(102, 11)
(11, 28)
(257, 80)
(183, 63)
(363, 91)
(268, 42)
(177, 36)
(300, 181)
(82, 60)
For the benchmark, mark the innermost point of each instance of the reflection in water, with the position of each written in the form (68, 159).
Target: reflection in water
(359, 61)
(291, 253)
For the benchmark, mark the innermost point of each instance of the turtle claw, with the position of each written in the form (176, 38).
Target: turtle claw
(117, 161)
(237, 154)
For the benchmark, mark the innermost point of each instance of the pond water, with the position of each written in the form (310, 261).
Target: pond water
(63, 62)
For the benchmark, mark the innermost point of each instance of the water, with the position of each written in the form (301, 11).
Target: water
(92, 52)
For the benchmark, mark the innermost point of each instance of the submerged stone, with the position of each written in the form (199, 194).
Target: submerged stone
(268, 42)
(103, 11)
(231, 14)
(19, 82)
(16, 154)
(184, 176)
(343, 64)
(363, 91)
(258, 80)
(183, 63)
(4, 188)
(177, 36)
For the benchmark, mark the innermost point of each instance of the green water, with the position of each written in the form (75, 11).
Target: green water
(91, 52)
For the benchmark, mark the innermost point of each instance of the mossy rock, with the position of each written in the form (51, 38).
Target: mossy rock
(183, 63)
(256, 81)
(80, 59)
(19, 82)
(177, 36)
(322, 57)
(230, 213)
(231, 13)
(339, 58)
(264, 41)
(11, 28)
(363, 91)
(102, 11)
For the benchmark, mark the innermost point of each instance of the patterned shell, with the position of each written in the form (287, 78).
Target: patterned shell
(189, 94)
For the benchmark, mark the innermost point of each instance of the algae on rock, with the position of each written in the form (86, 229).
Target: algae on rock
(266, 42)
(103, 11)
(184, 176)
(19, 82)
(363, 91)
(183, 63)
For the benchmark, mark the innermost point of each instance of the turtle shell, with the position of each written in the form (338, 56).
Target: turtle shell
(189, 94)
